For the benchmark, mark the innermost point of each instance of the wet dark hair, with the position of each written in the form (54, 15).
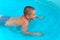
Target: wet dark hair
(28, 8)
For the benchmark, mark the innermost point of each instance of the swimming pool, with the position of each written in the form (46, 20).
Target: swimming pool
(49, 25)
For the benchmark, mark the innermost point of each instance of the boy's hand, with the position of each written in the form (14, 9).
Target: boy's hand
(37, 34)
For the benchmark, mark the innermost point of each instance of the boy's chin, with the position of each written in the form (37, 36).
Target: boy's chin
(33, 19)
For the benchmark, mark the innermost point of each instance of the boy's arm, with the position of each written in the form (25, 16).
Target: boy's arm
(25, 31)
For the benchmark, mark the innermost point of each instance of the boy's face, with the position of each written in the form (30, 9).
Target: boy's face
(32, 14)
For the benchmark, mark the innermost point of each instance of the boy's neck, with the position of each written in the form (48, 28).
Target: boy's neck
(26, 18)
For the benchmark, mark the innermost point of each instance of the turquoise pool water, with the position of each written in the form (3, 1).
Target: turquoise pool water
(49, 25)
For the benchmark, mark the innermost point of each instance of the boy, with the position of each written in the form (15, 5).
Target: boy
(29, 14)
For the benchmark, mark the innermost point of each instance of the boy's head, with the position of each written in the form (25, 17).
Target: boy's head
(29, 12)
